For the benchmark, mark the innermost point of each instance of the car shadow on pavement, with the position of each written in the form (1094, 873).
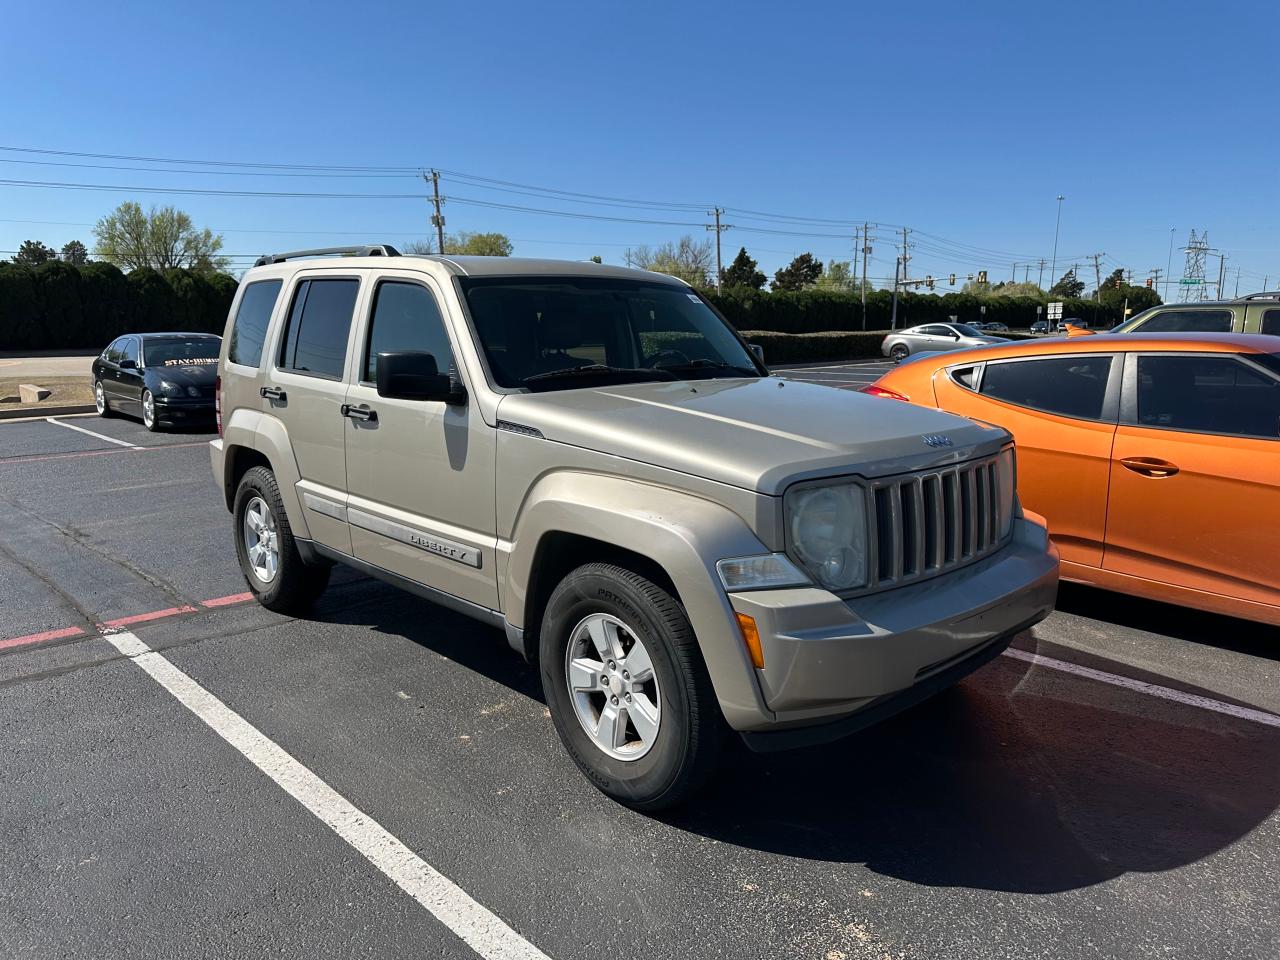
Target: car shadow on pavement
(1020, 779)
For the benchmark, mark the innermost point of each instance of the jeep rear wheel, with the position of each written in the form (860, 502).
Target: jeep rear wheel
(626, 686)
(269, 559)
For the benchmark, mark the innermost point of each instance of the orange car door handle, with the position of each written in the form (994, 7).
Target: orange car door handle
(1150, 466)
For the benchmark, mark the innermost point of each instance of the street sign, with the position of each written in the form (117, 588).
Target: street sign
(1055, 310)
(1191, 281)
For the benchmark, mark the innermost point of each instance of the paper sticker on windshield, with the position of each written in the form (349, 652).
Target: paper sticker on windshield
(693, 297)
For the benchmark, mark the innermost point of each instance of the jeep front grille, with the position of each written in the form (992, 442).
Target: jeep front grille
(924, 524)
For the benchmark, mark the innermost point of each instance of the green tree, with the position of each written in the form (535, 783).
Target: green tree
(32, 253)
(597, 259)
(743, 273)
(837, 276)
(1115, 292)
(688, 259)
(801, 272)
(1070, 286)
(1017, 290)
(161, 238)
(75, 253)
(465, 245)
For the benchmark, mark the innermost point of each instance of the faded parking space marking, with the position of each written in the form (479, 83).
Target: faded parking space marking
(1150, 689)
(99, 436)
(483, 931)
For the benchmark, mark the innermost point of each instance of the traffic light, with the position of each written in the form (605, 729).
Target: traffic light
(982, 276)
(1148, 283)
(1119, 283)
(928, 281)
(952, 281)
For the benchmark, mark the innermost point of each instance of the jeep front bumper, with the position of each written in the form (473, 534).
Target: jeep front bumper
(827, 660)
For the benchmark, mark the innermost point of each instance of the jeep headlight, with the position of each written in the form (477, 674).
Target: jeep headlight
(170, 389)
(827, 531)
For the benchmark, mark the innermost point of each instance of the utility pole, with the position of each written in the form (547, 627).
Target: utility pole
(1155, 279)
(437, 218)
(1168, 264)
(1054, 269)
(1040, 282)
(1026, 273)
(905, 256)
(1222, 269)
(719, 229)
(1097, 275)
(853, 266)
(1265, 278)
(1013, 277)
(893, 316)
(1237, 293)
(866, 249)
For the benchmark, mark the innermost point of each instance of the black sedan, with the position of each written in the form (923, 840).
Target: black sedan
(162, 377)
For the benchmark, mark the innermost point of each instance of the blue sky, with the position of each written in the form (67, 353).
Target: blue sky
(961, 121)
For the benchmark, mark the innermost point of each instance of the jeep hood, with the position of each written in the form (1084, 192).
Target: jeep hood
(759, 434)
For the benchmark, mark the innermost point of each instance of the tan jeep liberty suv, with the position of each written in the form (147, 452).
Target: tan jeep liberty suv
(592, 460)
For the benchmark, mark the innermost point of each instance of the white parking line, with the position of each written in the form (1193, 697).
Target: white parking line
(100, 436)
(1151, 689)
(483, 931)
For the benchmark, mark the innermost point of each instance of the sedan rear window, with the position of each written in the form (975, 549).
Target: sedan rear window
(1074, 386)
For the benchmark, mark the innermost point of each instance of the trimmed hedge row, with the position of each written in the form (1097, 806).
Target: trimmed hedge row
(824, 311)
(59, 306)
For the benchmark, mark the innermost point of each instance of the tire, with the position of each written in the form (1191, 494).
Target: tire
(899, 352)
(676, 760)
(150, 418)
(293, 586)
(100, 401)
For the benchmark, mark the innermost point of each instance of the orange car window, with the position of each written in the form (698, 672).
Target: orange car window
(1074, 386)
(1208, 395)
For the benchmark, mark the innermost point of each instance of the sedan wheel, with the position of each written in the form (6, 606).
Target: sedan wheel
(100, 402)
(899, 352)
(149, 411)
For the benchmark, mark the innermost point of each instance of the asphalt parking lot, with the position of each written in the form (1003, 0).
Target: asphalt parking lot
(187, 774)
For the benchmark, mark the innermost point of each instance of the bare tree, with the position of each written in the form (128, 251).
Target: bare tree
(689, 259)
(160, 238)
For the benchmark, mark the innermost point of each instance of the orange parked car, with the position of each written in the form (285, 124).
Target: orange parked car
(1155, 457)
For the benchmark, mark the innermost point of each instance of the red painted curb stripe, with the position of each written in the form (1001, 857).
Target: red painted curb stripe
(227, 600)
(38, 637)
(146, 617)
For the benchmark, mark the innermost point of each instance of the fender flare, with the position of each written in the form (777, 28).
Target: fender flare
(684, 534)
(254, 430)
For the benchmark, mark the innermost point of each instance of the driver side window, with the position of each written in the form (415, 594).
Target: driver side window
(405, 317)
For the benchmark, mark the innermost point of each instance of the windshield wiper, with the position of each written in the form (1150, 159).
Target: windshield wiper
(595, 369)
(701, 363)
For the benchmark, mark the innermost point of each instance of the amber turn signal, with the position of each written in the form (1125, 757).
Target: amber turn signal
(751, 637)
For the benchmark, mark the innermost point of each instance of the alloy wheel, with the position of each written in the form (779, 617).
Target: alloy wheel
(613, 687)
(261, 540)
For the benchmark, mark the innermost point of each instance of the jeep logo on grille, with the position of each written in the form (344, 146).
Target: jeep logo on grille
(936, 440)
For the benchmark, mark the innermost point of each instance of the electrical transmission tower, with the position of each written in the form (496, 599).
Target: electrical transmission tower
(1197, 250)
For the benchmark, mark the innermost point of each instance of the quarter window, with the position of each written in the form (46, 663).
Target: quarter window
(1208, 395)
(315, 338)
(405, 317)
(1073, 386)
(130, 349)
(1271, 322)
(113, 353)
(249, 332)
(1188, 321)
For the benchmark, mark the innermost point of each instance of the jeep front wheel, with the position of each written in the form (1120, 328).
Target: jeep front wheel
(626, 686)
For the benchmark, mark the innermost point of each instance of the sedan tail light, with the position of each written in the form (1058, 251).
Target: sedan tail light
(217, 402)
(884, 392)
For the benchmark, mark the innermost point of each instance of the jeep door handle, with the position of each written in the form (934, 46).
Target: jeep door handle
(360, 413)
(1150, 466)
(273, 393)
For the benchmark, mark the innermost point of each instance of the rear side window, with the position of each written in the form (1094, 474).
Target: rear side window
(249, 332)
(315, 339)
(1068, 386)
(130, 349)
(1207, 394)
(1188, 321)
(405, 317)
(1271, 322)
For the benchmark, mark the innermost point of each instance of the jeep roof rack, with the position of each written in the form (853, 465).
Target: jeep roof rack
(1264, 295)
(368, 250)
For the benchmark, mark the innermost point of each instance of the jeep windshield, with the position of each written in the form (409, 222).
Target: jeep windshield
(566, 333)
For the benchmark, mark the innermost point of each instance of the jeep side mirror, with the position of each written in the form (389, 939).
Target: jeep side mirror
(413, 375)
(757, 350)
